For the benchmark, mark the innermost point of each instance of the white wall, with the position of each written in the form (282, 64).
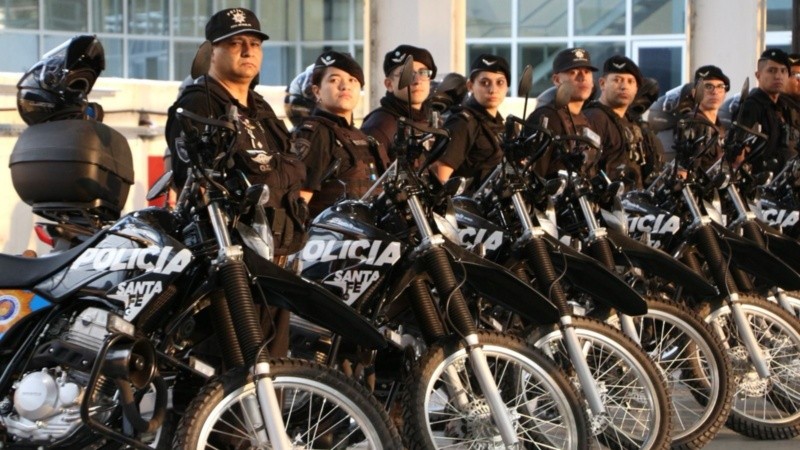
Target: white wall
(438, 26)
(729, 34)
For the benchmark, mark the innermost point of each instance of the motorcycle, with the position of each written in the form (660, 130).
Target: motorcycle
(498, 222)
(685, 348)
(113, 338)
(460, 385)
(760, 338)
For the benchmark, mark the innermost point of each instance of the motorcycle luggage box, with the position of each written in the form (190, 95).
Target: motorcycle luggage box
(69, 164)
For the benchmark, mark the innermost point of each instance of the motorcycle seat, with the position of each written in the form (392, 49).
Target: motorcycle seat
(20, 272)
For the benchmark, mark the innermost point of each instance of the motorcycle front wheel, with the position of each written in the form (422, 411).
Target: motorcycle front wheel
(793, 298)
(321, 408)
(443, 406)
(696, 366)
(762, 408)
(634, 393)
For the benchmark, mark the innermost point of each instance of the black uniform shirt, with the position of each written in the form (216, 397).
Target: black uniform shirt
(381, 123)
(474, 149)
(621, 153)
(559, 123)
(774, 118)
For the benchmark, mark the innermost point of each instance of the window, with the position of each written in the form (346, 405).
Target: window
(157, 39)
(779, 15)
(534, 31)
(19, 14)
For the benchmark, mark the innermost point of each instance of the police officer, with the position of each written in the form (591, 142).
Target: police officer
(263, 140)
(705, 129)
(792, 92)
(622, 140)
(572, 67)
(262, 143)
(381, 123)
(474, 149)
(327, 138)
(767, 108)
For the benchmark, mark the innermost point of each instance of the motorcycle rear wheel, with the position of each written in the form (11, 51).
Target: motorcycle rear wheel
(762, 409)
(544, 407)
(322, 408)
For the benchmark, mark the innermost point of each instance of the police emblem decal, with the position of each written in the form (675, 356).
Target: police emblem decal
(237, 15)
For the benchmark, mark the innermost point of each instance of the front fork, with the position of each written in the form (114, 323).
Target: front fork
(438, 265)
(532, 240)
(598, 239)
(263, 410)
(709, 246)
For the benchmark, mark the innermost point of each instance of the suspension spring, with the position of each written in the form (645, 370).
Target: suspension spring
(752, 231)
(223, 327)
(690, 259)
(438, 265)
(602, 251)
(240, 301)
(709, 247)
(539, 261)
(425, 311)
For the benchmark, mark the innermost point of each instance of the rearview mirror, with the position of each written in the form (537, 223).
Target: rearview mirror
(407, 73)
(525, 81)
(563, 95)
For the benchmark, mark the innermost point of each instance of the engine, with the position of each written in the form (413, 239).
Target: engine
(44, 406)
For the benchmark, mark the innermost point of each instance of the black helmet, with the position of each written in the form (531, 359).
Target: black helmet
(547, 97)
(299, 100)
(667, 109)
(449, 92)
(56, 87)
(645, 96)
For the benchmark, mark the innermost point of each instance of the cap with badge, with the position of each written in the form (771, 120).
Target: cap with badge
(623, 64)
(339, 60)
(395, 58)
(775, 54)
(572, 58)
(232, 21)
(490, 63)
(712, 73)
(794, 59)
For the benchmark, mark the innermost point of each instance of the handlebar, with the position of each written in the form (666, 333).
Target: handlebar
(182, 113)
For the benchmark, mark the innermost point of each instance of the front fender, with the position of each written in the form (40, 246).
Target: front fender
(783, 246)
(312, 302)
(594, 279)
(751, 258)
(657, 262)
(501, 286)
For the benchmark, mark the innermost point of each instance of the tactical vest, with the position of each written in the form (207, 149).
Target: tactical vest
(481, 126)
(359, 159)
(274, 167)
(587, 154)
(633, 146)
